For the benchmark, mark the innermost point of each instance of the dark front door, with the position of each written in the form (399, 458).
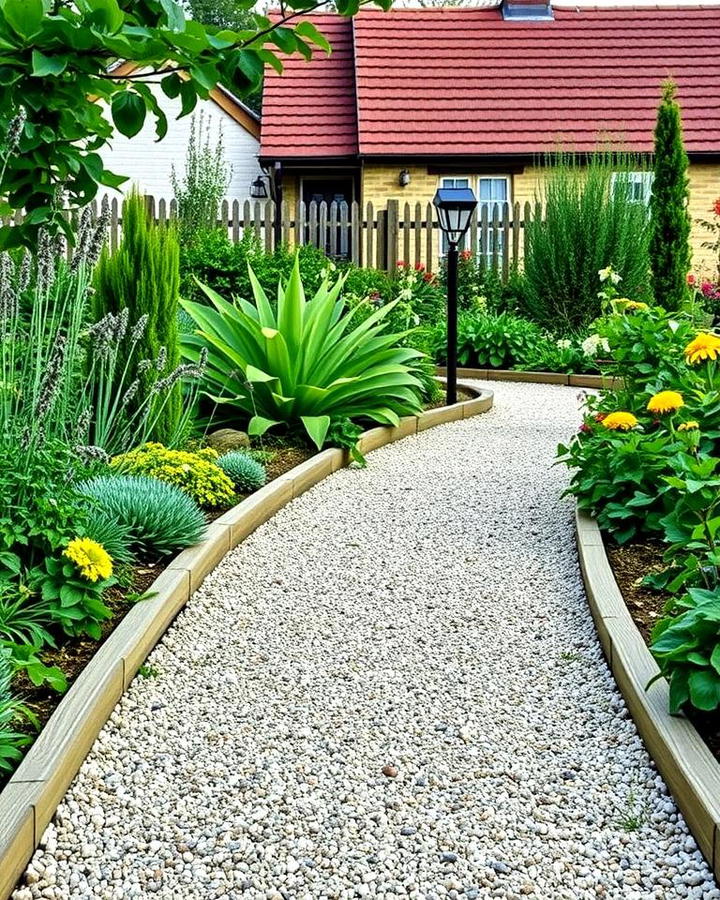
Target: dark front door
(337, 194)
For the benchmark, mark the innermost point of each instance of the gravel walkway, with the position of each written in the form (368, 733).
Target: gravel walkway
(392, 689)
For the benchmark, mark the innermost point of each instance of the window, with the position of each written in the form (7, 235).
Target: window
(453, 183)
(637, 186)
(493, 193)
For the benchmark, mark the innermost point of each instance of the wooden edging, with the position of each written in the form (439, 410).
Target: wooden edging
(30, 798)
(585, 381)
(689, 768)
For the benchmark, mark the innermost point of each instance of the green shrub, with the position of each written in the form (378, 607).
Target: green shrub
(213, 259)
(304, 365)
(197, 473)
(565, 355)
(159, 517)
(490, 341)
(481, 287)
(686, 647)
(646, 347)
(143, 277)
(246, 473)
(618, 477)
(589, 221)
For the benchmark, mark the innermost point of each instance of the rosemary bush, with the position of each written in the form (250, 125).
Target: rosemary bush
(590, 221)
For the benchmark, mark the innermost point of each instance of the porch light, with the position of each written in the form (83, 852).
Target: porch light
(258, 189)
(455, 207)
(404, 178)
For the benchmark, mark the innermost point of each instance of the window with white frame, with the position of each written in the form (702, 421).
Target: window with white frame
(493, 194)
(636, 186)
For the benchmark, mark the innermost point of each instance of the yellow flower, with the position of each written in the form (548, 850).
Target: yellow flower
(619, 421)
(705, 346)
(692, 425)
(624, 304)
(91, 558)
(665, 402)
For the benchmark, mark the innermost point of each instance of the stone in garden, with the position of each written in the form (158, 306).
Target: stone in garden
(226, 439)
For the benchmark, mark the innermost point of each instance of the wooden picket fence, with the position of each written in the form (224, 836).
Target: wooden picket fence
(368, 236)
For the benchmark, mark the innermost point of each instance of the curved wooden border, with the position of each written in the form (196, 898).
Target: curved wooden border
(29, 800)
(689, 768)
(585, 381)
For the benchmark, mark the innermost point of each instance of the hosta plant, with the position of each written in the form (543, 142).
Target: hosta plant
(686, 647)
(302, 362)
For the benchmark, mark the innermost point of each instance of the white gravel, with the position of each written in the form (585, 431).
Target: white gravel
(424, 616)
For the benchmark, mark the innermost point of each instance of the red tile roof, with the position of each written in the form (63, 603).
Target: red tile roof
(439, 82)
(310, 109)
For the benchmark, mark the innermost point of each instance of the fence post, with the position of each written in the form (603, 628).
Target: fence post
(391, 235)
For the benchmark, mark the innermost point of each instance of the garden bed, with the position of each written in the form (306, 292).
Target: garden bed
(630, 564)
(30, 797)
(684, 759)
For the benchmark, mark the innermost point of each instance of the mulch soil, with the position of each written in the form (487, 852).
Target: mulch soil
(630, 564)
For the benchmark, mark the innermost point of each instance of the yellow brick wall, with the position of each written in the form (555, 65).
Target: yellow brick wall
(380, 183)
(704, 190)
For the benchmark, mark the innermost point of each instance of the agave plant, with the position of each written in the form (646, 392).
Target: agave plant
(308, 362)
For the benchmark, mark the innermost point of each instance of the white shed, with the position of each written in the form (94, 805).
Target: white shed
(148, 162)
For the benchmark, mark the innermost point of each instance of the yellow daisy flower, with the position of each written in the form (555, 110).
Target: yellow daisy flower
(691, 425)
(619, 421)
(665, 402)
(91, 558)
(705, 346)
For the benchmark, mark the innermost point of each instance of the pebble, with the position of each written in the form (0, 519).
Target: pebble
(423, 618)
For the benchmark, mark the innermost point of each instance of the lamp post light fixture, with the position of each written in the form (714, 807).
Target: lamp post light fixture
(258, 189)
(404, 178)
(455, 208)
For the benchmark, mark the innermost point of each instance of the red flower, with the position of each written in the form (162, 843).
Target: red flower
(400, 264)
(428, 277)
(419, 267)
(585, 428)
(600, 416)
(707, 288)
(691, 279)
(466, 254)
(716, 207)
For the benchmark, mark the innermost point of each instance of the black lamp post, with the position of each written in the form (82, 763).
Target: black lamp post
(455, 207)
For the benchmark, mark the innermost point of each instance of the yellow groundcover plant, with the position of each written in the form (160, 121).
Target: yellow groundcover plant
(196, 473)
(619, 421)
(665, 402)
(691, 425)
(92, 559)
(705, 346)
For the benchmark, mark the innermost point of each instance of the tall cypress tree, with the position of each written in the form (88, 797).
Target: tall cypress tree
(670, 221)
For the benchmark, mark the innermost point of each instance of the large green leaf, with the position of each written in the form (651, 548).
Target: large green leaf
(317, 428)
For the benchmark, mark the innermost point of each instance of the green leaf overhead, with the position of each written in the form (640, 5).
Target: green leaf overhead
(68, 65)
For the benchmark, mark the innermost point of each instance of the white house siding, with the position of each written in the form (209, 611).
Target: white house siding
(148, 163)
